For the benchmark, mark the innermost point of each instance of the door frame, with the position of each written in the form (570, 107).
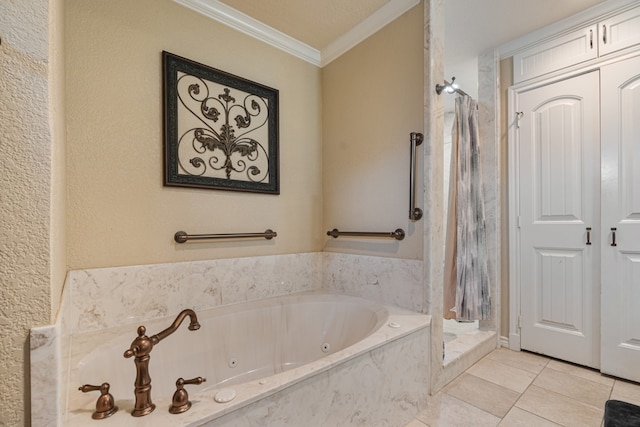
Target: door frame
(513, 154)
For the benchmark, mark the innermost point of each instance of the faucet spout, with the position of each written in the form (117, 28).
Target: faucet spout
(193, 325)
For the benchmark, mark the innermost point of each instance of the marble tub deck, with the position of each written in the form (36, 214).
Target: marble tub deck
(335, 394)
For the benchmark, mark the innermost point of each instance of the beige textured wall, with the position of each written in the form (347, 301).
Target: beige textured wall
(118, 211)
(26, 136)
(372, 100)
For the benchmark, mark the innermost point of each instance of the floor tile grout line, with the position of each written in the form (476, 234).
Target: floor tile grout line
(472, 404)
(539, 416)
(575, 376)
(525, 390)
(520, 394)
(508, 366)
(537, 356)
(560, 394)
(483, 379)
(586, 368)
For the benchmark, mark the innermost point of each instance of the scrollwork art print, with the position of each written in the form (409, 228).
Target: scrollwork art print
(221, 131)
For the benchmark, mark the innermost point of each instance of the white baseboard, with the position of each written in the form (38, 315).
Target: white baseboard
(504, 341)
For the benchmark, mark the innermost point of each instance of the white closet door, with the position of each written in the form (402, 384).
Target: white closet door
(620, 91)
(559, 180)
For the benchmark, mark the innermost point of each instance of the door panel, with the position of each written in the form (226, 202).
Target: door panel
(620, 92)
(558, 145)
(560, 275)
(559, 178)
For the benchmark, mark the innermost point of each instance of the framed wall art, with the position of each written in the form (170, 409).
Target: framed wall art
(220, 130)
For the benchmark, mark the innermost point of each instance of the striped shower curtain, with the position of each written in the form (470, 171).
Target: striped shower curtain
(466, 286)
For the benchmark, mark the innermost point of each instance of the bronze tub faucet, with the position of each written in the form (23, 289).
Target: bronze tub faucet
(140, 348)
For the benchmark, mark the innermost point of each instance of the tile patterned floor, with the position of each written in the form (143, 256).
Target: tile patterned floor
(509, 389)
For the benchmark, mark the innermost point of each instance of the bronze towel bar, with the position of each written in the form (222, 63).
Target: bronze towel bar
(398, 234)
(182, 236)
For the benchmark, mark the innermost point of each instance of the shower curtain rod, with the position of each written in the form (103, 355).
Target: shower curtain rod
(446, 86)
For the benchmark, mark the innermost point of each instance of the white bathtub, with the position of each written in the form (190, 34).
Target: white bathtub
(348, 359)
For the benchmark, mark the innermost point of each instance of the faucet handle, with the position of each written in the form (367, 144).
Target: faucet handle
(180, 402)
(105, 406)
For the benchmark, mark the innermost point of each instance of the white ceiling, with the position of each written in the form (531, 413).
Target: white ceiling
(471, 26)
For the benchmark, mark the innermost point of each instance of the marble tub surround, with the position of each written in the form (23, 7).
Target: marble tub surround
(397, 371)
(95, 300)
(46, 389)
(108, 297)
(390, 361)
(102, 298)
(392, 281)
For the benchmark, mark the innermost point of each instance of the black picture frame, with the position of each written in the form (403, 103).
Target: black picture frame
(220, 130)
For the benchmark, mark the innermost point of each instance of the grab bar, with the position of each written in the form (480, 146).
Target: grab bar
(182, 236)
(414, 213)
(397, 234)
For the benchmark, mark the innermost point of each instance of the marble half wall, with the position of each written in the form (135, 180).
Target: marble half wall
(390, 281)
(107, 297)
(46, 389)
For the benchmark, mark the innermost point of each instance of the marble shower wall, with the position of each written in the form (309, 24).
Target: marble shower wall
(434, 199)
(488, 106)
(434, 179)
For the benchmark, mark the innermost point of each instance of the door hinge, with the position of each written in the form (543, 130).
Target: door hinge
(519, 321)
(518, 221)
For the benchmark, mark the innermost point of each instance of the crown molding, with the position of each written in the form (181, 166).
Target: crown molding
(239, 21)
(379, 19)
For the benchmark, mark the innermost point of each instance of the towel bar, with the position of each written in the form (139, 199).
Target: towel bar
(182, 236)
(397, 234)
